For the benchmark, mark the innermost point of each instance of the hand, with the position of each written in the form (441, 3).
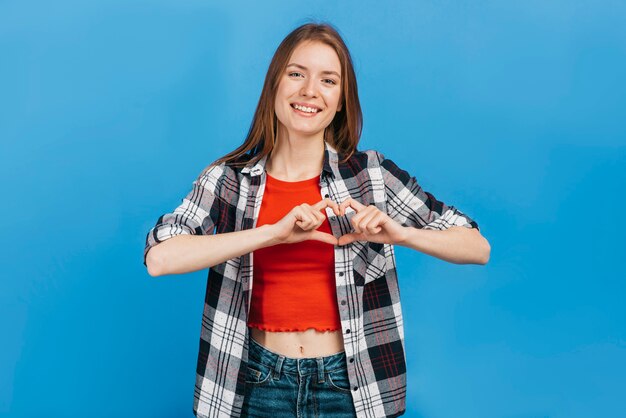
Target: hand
(301, 224)
(370, 224)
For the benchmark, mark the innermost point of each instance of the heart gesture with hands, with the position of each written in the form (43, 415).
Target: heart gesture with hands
(371, 224)
(301, 223)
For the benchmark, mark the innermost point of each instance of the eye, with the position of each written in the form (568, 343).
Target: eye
(330, 80)
(294, 72)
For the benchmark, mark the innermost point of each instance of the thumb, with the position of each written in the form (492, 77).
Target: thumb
(323, 236)
(348, 238)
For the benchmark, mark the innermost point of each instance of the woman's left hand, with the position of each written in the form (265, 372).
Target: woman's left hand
(370, 224)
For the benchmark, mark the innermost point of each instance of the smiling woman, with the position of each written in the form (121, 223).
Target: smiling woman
(302, 311)
(319, 71)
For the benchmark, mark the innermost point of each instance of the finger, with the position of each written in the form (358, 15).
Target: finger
(327, 203)
(375, 224)
(350, 202)
(324, 237)
(357, 220)
(319, 218)
(310, 214)
(368, 222)
(303, 220)
(348, 238)
(305, 226)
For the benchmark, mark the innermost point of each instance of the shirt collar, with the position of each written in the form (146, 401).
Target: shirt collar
(330, 165)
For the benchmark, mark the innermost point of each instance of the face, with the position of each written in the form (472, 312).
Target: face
(309, 91)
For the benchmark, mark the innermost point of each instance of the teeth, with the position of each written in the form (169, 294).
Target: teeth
(305, 109)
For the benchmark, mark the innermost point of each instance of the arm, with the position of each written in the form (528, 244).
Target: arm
(410, 205)
(183, 242)
(459, 245)
(431, 226)
(187, 253)
(416, 219)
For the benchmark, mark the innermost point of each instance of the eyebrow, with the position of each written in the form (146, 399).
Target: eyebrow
(302, 67)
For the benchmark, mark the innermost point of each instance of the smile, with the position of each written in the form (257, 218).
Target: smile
(305, 110)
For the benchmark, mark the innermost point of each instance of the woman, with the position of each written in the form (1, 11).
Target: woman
(302, 310)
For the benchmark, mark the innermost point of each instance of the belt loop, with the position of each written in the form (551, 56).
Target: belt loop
(279, 365)
(320, 369)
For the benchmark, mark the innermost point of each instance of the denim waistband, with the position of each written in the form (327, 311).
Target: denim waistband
(301, 366)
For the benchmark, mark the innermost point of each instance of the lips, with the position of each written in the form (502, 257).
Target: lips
(305, 114)
(306, 106)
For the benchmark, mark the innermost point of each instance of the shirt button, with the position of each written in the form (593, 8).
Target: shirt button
(351, 359)
(355, 388)
(343, 302)
(326, 195)
(340, 273)
(347, 331)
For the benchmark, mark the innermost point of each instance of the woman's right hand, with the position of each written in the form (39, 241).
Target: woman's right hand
(301, 224)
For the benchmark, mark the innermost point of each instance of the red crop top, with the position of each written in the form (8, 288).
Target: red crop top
(293, 286)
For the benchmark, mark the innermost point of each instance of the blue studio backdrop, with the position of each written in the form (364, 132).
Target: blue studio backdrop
(511, 111)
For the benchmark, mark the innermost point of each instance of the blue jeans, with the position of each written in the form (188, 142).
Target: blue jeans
(278, 386)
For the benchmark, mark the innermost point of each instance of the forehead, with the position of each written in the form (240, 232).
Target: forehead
(316, 56)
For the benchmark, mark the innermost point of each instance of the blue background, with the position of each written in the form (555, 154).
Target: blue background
(511, 111)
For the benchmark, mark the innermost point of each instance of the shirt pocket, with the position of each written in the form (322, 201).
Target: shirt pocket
(369, 262)
(376, 262)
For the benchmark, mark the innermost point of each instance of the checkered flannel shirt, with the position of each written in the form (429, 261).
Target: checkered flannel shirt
(226, 199)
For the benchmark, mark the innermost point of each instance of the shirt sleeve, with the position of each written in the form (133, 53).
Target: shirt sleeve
(198, 213)
(410, 205)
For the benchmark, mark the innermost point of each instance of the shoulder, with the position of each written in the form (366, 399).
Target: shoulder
(392, 174)
(388, 165)
(216, 177)
(213, 173)
(225, 171)
(361, 159)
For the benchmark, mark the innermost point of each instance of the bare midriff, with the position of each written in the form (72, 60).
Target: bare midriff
(300, 344)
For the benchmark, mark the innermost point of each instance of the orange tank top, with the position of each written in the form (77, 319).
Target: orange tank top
(293, 286)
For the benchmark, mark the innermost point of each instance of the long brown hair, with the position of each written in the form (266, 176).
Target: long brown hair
(344, 131)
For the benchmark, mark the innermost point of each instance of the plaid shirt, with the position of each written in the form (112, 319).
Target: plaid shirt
(226, 199)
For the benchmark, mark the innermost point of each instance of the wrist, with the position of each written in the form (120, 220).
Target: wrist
(405, 236)
(269, 235)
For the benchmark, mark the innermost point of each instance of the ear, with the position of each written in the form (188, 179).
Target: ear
(340, 107)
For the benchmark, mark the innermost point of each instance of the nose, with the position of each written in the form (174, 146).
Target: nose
(309, 88)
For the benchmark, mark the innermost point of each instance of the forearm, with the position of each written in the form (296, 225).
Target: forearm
(187, 253)
(459, 245)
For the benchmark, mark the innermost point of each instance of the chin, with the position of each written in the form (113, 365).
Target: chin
(308, 132)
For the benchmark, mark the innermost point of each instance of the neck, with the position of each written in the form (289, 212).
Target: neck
(296, 157)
